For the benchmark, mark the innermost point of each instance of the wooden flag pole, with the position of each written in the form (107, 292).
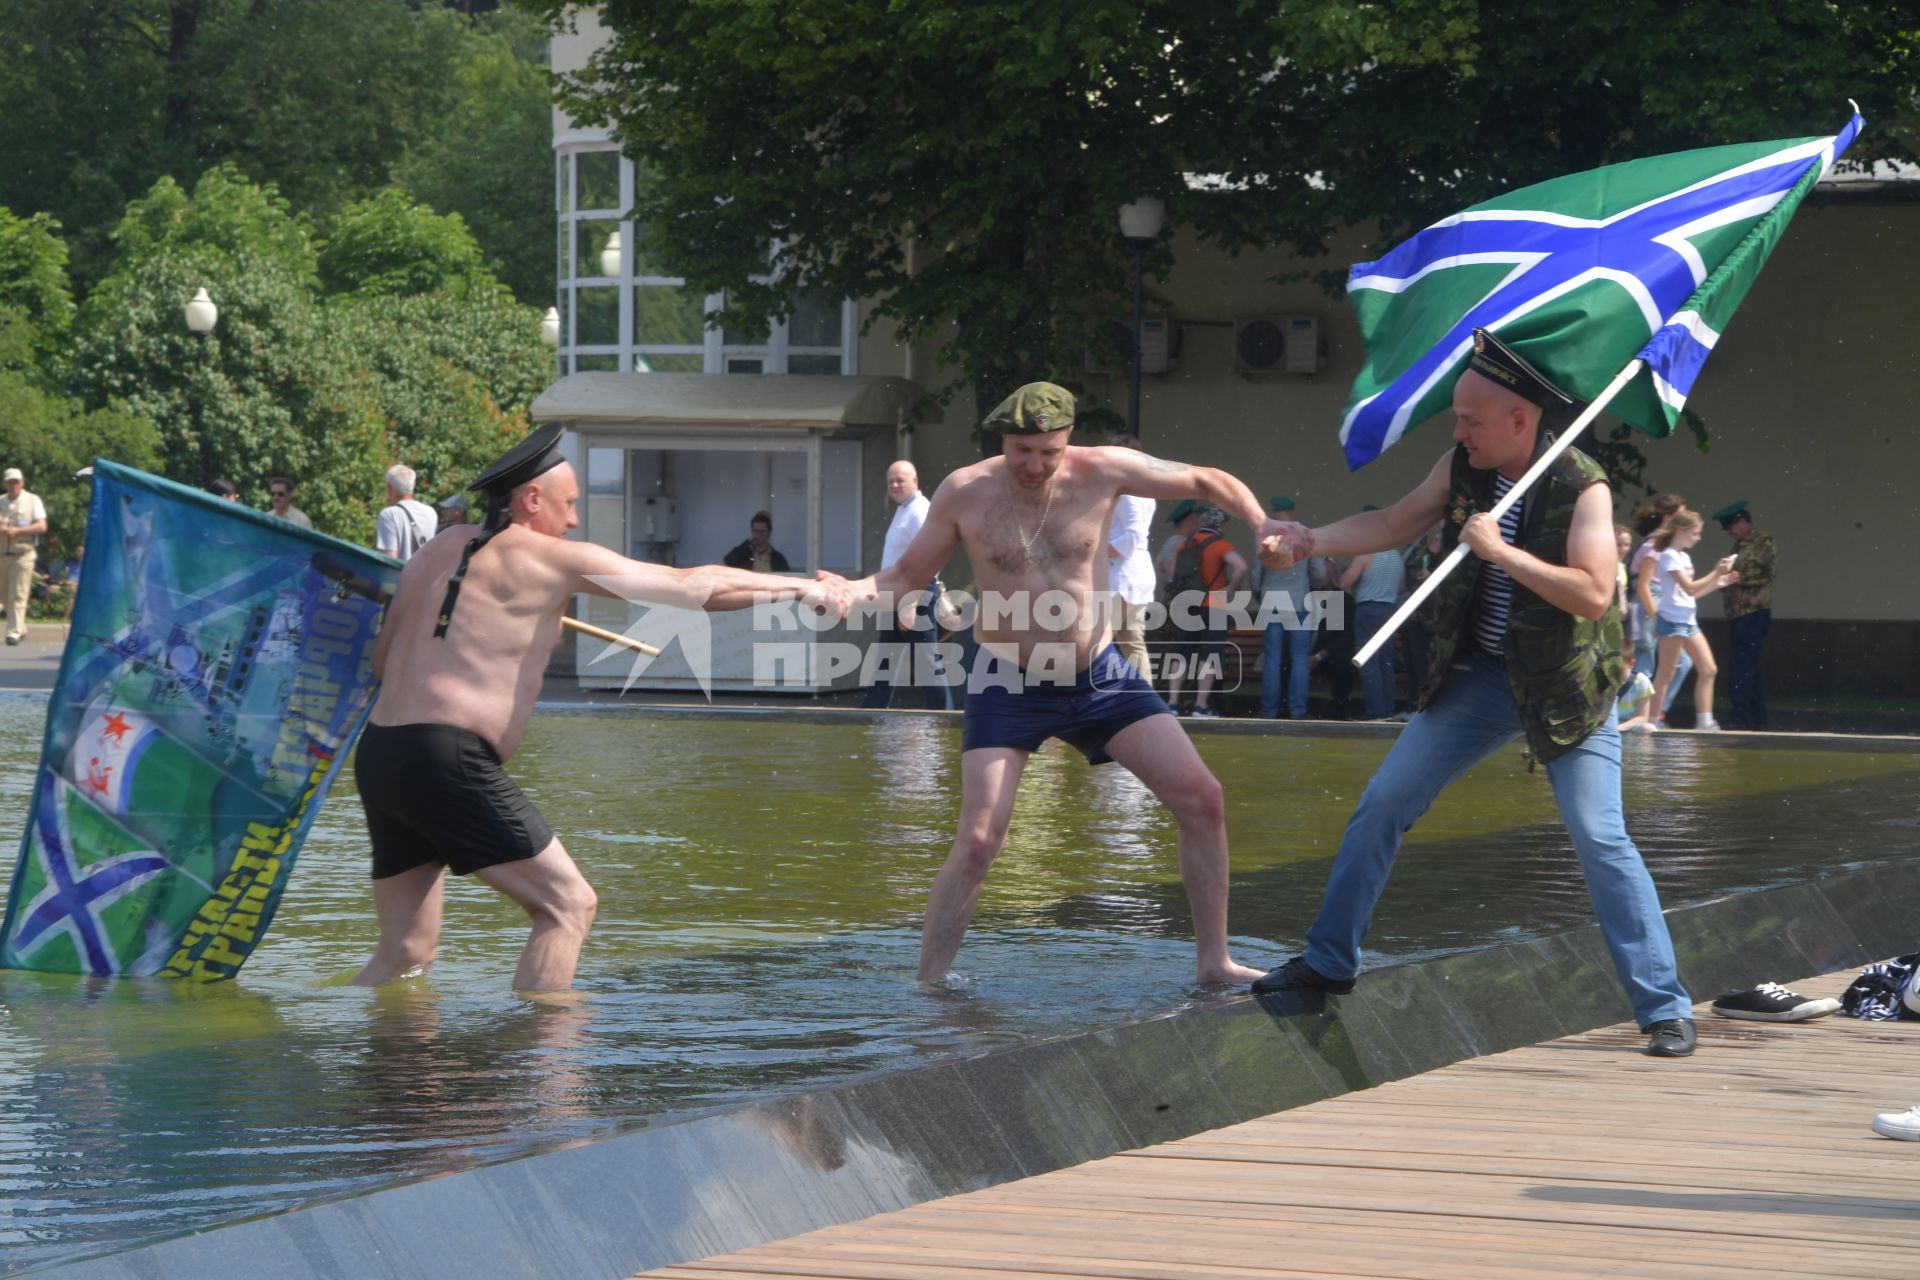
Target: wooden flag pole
(611, 637)
(1560, 445)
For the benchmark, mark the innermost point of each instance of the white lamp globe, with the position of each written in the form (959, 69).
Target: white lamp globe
(201, 313)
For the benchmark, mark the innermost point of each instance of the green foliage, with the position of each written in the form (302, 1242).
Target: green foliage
(227, 404)
(390, 245)
(33, 287)
(1001, 139)
(50, 437)
(322, 97)
(327, 390)
(490, 156)
(447, 378)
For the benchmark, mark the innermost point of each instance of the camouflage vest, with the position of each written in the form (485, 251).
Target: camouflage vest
(1564, 670)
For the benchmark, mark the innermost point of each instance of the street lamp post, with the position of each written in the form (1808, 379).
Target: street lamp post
(201, 315)
(1140, 223)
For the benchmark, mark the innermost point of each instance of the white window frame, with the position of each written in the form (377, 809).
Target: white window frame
(715, 354)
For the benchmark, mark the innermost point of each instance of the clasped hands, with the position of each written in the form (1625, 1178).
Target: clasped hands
(830, 594)
(1281, 544)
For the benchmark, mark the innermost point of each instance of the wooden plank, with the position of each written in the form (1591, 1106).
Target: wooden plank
(1580, 1157)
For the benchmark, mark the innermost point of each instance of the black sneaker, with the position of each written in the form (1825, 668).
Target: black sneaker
(1671, 1038)
(1297, 975)
(1771, 1002)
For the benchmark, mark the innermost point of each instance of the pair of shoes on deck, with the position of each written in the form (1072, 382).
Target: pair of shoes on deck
(1203, 713)
(1771, 1002)
(1297, 975)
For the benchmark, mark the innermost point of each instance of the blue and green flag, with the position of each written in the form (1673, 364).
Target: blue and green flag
(216, 671)
(1580, 275)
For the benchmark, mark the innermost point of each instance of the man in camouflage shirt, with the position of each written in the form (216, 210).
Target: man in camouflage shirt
(1749, 605)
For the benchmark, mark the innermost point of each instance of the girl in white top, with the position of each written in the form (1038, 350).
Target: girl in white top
(1676, 625)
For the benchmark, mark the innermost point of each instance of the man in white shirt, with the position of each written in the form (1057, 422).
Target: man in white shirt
(1130, 575)
(909, 644)
(404, 525)
(23, 518)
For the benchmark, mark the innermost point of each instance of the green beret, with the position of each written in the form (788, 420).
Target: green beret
(1731, 512)
(1035, 409)
(1282, 503)
(1182, 509)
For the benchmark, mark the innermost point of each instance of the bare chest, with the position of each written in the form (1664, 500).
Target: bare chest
(1054, 540)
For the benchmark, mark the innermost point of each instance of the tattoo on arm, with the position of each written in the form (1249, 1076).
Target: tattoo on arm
(1161, 464)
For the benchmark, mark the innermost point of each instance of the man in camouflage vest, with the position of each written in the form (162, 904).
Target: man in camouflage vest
(1749, 606)
(1526, 640)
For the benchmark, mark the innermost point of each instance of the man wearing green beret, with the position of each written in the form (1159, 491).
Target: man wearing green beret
(1034, 522)
(1749, 606)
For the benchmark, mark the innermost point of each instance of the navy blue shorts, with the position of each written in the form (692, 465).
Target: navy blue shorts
(1107, 697)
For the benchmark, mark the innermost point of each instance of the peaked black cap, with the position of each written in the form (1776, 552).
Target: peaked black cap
(534, 456)
(1495, 360)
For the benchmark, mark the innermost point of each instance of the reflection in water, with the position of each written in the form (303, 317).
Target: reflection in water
(760, 885)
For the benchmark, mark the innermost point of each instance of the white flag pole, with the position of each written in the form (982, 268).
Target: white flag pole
(1560, 445)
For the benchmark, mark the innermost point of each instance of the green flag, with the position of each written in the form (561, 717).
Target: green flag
(1580, 275)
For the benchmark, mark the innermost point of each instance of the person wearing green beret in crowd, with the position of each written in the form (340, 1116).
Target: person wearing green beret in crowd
(1034, 521)
(1749, 606)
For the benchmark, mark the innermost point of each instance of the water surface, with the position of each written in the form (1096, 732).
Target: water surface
(760, 884)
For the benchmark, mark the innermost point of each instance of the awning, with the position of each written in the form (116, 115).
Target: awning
(819, 402)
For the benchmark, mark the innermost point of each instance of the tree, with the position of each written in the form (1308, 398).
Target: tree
(1002, 138)
(321, 97)
(228, 403)
(390, 245)
(329, 390)
(50, 438)
(489, 158)
(36, 306)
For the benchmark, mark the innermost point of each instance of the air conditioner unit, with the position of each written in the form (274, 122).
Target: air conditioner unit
(1159, 346)
(1278, 344)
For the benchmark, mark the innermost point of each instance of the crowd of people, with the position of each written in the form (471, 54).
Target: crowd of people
(1304, 669)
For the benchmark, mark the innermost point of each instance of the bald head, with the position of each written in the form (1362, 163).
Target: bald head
(902, 481)
(1496, 427)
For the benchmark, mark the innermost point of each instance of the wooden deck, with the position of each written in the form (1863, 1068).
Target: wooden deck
(1577, 1157)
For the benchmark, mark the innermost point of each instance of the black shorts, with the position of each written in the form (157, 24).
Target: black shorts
(434, 793)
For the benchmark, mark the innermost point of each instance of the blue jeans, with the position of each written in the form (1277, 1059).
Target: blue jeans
(1473, 717)
(1296, 644)
(1646, 657)
(1376, 678)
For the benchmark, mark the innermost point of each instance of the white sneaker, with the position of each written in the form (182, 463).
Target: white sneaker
(1707, 724)
(1904, 1125)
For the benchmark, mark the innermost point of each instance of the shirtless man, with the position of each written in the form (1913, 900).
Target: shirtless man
(1034, 522)
(456, 694)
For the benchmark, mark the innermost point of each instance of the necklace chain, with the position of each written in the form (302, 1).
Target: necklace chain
(1026, 543)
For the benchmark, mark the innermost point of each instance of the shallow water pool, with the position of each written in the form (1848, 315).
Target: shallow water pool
(760, 879)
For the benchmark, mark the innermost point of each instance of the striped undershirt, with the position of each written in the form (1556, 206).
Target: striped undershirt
(1496, 588)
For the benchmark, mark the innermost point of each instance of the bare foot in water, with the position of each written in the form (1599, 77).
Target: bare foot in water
(1230, 972)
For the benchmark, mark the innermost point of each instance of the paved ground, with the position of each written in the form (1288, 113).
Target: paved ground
(1576, 1157)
